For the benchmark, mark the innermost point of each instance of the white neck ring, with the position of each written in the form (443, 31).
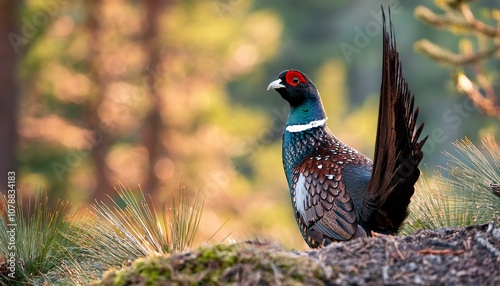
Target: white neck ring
(307, 126)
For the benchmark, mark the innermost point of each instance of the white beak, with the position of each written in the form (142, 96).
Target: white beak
(275, 85)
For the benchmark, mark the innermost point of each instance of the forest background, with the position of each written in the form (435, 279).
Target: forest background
(159, 94)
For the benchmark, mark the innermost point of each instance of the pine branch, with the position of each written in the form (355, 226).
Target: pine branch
(441, 21)
(466, 22)
(478, 25)
(458, 17)
(442, 55)
(470, 89)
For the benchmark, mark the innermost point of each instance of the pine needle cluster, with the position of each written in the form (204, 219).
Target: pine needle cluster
(464, 195)
(55, 249)
(118, 235)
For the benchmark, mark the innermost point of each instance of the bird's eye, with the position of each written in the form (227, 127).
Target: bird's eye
(293, 78)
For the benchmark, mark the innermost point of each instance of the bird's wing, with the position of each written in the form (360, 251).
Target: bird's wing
(397, 149)
(324, 209)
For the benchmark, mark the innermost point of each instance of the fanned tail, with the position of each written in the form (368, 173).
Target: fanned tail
(397, 149)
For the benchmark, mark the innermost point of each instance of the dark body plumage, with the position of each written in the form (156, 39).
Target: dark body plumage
(338, 193)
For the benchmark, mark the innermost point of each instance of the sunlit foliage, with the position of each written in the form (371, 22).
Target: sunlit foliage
(150, 92)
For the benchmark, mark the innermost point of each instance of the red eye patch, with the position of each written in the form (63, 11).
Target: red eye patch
(293, 78)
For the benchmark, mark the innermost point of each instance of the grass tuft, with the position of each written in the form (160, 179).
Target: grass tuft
(465, 195)
(52, 249)
(113, 237)
(39, 245)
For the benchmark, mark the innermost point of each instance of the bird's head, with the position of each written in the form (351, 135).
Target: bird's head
(305, 102)
(294, 86)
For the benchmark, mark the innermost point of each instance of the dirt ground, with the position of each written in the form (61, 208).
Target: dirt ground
(461, 256)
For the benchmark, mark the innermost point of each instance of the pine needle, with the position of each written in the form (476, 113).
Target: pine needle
(116, 236)
(464, 195)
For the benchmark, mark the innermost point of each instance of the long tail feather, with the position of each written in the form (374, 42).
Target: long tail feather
(397, 149)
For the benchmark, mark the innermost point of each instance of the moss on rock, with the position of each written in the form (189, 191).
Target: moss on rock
(244, 263)
(461, 256)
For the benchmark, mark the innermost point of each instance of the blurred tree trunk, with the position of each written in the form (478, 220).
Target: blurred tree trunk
(102, 138)
(153, 75)
(8, 90)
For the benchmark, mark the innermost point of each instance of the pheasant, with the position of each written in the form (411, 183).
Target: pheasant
(338, 193)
